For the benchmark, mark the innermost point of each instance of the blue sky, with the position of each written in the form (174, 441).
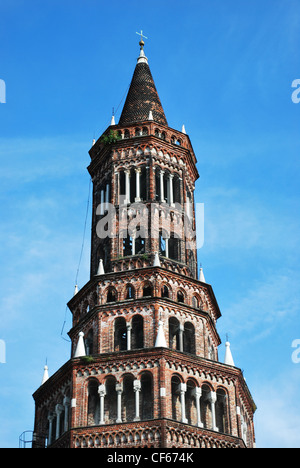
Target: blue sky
(222, 68)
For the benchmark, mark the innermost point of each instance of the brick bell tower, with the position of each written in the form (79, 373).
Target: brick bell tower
(144, 368)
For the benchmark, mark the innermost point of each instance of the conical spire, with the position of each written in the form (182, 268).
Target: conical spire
(142, 97)
(228, 356)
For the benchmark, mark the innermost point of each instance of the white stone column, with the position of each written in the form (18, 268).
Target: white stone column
(128, 326)
(66, 403)
(182, 390)
(102, 393)
(50, 419)
(171, 198)
(127, 186)
(119, 390)
(162, 197)
(181, 330)
(212, 399)
(137, 386)
(138, 187)
(197, 393)
(58, 411)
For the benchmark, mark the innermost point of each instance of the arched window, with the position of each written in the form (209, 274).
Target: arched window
(110, 401)
(174, 247)
(177, 189)
(205, 407)
(129, 292)
(189, 338)
(146, 400)
(190, 403)
(89, 343)
(165, 291)
(93, 403)
(128, 399)
(180, 296)
(147, 290)
(176, 402)
(174, 334)
(137, 332)
(120, 341)
(111, 295)
(126, 134)
(222, 411)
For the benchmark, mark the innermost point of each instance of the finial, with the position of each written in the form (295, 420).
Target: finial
(142, 58)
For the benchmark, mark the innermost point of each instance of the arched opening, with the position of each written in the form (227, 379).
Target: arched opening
(205, 407)
(137, 332)
(180, 296)
(146, 400)
(190, 403)
(174, 247)
(120, 339)
(176, 402)
(128, 399)
(189, 338)
(147, 289)
(165, 291)
(111, 295)
(129, 294)
(222, 411)
(174, 334)
(93, 403)
(110, 401)
(89, 343)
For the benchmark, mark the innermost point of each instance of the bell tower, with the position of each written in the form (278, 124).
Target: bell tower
(144, 369)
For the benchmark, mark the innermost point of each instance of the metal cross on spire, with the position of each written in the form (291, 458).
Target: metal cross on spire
(142, 35)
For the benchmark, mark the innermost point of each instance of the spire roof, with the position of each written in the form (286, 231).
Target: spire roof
(142, 97)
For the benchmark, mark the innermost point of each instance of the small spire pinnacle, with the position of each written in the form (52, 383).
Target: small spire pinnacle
(76, 289)
(46, 374)
(156, 261)
(228, 355)
(202, 275)
(160, 338)
(100, 268)
(80, 349)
